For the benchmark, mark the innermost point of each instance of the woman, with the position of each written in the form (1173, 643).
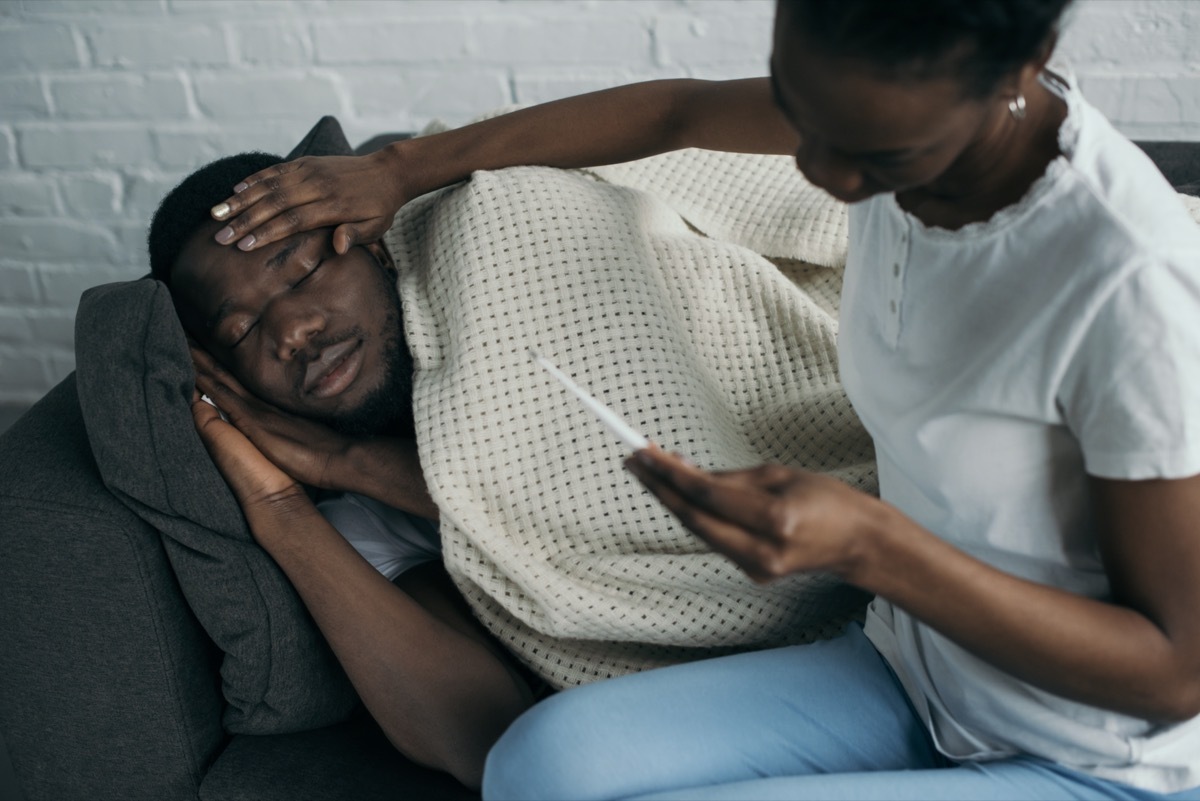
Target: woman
(1018, 336)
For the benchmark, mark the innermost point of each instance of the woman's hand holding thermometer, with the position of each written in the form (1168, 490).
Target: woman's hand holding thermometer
(771, 520)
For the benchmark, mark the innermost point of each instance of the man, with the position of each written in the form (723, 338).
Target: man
(302, 349)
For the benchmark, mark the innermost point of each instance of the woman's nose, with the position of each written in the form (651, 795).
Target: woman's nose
(825, 168)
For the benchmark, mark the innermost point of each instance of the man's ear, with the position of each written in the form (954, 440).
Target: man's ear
(382, 257)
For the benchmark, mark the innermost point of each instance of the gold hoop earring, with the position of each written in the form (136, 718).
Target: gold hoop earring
(1016, 107)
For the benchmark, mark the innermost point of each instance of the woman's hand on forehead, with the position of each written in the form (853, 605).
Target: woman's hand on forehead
(356, 196)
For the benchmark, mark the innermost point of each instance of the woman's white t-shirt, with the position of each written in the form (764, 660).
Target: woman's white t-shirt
(995, 366)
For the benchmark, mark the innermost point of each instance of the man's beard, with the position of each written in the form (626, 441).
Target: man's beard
(388, 409)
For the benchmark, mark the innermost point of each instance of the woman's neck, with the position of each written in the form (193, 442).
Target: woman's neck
(997, 170)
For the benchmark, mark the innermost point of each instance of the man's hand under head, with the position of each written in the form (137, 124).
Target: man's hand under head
(257, 483)
(384, 468)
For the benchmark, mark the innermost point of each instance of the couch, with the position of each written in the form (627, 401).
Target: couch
(115, 684)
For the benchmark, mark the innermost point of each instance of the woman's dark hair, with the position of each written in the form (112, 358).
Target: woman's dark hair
(188, 206)
(978, 41)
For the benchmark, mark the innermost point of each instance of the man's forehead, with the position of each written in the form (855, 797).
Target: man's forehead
(203, 262)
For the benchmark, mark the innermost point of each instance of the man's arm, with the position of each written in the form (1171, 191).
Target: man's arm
(441, 692)
(361, 195)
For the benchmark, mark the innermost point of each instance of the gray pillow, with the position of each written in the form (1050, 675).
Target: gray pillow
(134, 377)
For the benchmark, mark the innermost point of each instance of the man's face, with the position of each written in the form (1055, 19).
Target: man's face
(312, 332)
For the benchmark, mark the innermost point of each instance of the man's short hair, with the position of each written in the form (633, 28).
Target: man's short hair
(189, 205)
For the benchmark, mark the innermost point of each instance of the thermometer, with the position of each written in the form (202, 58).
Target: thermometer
(611, 420)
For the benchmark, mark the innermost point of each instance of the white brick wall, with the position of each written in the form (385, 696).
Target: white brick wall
(105, 104)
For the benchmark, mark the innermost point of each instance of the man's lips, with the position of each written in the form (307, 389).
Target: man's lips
(334, 369)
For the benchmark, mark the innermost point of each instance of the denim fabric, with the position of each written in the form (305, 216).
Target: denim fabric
(827, 720)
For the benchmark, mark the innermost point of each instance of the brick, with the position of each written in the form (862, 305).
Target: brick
(14, 327)
(8, 149)
(92, 196)
(435, 9)
(1167, 101)
(18, 284)
(374, 42)
(81, 145)
(37, 47)
(119, 97)
(450, 93)
(131, 244)
(147, 46)
(273, 44)
(27, 195)
(252, 95)
(41, 240)
(1110, 34)
(107, 8)
(53, 327)
(540, 87)
(62, 285)
(22, 98)
(729, 70)
(696, 41)
(23, 372)
(241, 9)
(620, 42)
(721, 8)
(143, 193)
(188, 149)
(60, 365)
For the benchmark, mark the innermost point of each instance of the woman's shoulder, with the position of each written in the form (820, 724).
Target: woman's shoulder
(1117, 189)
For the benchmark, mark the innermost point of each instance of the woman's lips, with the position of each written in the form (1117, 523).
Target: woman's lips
(335, 369)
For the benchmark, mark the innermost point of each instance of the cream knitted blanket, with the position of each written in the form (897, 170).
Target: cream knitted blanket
(699, 341)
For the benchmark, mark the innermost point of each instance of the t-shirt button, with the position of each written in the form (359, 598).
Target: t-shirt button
(892, 306)
(896, 269)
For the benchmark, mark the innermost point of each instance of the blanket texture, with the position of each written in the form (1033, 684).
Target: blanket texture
(648, 283)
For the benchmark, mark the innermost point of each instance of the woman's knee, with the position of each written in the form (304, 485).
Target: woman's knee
(563, 748)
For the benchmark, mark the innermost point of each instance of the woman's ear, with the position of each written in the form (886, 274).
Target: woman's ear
(382, 257)
(1024, 77)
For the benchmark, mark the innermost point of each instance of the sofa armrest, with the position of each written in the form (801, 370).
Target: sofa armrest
(111, 689)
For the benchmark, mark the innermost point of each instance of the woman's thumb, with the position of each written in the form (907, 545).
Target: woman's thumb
(345, 236)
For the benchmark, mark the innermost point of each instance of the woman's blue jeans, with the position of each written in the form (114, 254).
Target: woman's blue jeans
(824, 721)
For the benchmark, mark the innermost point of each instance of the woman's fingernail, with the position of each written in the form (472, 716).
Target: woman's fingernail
(247, 242)
(225, 235)
(221, 211)
(242, 187)
(645, 458)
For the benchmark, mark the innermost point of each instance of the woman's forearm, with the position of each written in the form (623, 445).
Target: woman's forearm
(605, 127)
(1092, 651)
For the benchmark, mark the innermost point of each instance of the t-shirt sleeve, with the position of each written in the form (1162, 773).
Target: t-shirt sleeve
(389, 539)
(1131, 392)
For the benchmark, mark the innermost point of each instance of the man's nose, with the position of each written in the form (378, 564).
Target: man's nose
(825, 168)
(294, 328)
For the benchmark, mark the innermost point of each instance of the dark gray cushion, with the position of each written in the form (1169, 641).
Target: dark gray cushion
(135, 382)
